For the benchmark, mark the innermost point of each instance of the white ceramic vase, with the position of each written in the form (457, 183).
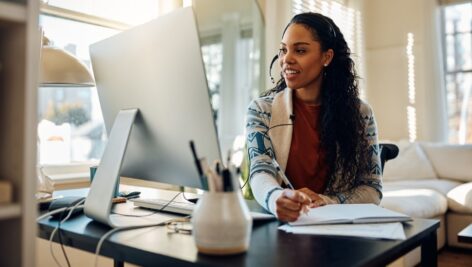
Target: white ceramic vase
(222, 223)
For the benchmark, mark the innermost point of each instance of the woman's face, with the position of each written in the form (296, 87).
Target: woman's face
(301, 58)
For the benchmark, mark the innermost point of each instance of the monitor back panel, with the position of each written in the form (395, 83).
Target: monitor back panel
(157, 67)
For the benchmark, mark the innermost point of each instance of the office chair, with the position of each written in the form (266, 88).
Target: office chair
(387, 152)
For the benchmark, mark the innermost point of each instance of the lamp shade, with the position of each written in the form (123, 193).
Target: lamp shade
(61, 69)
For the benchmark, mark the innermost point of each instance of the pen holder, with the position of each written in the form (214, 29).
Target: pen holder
(222, 223)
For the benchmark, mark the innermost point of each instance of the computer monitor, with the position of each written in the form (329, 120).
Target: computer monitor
(151, 79)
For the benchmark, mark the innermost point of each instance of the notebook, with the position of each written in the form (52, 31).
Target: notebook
(350, 213)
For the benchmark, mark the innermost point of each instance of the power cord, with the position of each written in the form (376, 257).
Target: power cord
(191, 200)
(59, 234)
(112, 231)
(106, 235)
(50, 213)
(71, 210)
(154, 212)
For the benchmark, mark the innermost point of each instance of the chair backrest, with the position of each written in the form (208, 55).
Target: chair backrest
(387, 152)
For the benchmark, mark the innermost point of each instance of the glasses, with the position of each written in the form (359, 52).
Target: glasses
(179, 226)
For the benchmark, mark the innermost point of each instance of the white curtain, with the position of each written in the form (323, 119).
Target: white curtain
(236, 81)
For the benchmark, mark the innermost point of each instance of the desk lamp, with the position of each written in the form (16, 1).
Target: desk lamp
(59, 68)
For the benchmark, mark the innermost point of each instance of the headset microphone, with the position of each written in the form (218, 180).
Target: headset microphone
(270, 68)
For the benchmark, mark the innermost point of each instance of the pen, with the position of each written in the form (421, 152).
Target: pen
(282, 174)
(199, 166)
(305, 208)
(195, 158)
(227, 181)
(217, 177)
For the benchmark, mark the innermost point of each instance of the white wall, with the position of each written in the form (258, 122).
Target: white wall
(387, 24)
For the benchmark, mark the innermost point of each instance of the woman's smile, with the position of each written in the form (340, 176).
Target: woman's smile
(291, 74)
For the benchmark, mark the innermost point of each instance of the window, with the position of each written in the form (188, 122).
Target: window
(212, 53)
(71, 128)
(457, 39)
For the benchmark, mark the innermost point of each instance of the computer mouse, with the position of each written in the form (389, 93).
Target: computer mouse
(65, 202)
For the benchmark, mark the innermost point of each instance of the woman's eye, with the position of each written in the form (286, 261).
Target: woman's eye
(282, 51)
(301, 51)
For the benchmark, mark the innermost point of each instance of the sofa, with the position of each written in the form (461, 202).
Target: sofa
(431, 180)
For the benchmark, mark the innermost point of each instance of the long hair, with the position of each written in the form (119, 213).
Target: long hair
(341, 125)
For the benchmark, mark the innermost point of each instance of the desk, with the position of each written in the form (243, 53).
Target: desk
(465, 235)
(269, 246)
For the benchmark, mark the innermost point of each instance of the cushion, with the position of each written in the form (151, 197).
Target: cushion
(411, 163)
(438, 185)
(450, 161)
(460, 198)
(417, 203)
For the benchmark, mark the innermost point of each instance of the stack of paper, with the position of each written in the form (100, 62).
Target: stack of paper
(362, 220)
(350, 213)
(371, 230)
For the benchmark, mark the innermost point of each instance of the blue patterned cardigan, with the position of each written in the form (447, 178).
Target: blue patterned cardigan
(273, 112)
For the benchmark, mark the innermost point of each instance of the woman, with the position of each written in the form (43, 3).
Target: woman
(314, 125)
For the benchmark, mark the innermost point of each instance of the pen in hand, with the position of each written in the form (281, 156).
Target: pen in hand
(282, 174)
(305, 208)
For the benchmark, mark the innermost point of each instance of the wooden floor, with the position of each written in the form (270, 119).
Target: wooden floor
(451, 257)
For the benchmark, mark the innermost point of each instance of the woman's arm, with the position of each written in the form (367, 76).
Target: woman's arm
(262, 173)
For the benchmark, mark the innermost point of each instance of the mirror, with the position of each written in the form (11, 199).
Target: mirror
(232, 39)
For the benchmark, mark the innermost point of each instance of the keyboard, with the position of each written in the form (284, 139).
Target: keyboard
(185, 208)
(175, 206)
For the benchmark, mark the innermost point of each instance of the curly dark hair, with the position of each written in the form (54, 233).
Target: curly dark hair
(341, 125)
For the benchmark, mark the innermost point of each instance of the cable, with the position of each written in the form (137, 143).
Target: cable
(191, 200)
(134, 215)
(106, 235)
(245, 183)
(112, 231)
(270, 68)
(154, 212)
(60, 240)
(50, 214)
(78, 205)
(278, 125)
(292, 117)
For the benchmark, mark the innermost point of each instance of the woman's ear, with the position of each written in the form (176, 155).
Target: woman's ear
(328, 57)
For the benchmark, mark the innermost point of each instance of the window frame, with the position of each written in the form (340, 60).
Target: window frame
(74, 172)
(443, 4)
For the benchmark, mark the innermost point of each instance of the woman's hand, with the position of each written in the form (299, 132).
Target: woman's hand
(291, 204)
(316, 200)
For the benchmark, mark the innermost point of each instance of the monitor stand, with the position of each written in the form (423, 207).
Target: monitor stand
(98, 203)
(99, 200)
